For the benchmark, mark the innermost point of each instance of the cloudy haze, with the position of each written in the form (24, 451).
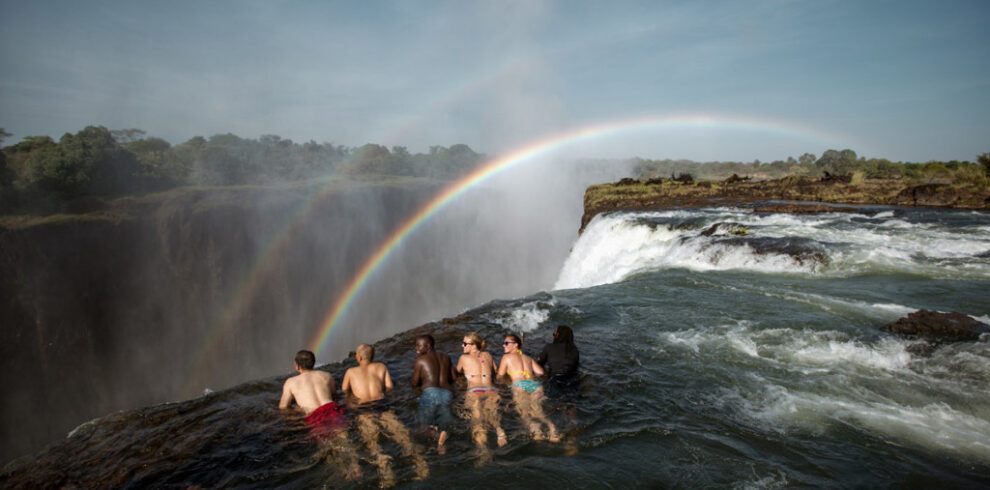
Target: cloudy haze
(901, 80)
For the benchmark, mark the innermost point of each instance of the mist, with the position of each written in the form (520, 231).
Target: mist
(217, 287)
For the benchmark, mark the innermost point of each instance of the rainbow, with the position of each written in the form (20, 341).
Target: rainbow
(532, 152)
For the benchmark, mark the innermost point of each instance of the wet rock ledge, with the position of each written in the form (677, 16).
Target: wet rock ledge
(803, 194)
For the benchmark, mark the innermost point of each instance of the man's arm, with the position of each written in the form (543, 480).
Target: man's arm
(388, 379)
(345, 385)
(333, 389)
(286, 400)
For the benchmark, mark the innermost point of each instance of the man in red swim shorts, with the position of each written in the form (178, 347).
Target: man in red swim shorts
(314, 392)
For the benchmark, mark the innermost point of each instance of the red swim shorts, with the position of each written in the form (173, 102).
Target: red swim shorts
(324, 422)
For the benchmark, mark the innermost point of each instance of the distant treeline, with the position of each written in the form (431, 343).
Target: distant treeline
(834, 162)
(100, 163)
(40, 174)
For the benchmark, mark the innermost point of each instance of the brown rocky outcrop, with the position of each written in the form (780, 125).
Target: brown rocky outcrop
(798, 194)
(928, 195)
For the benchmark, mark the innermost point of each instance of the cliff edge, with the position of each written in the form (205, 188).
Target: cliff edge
(801, 193)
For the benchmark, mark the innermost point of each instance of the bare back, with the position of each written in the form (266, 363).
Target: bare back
(311, 389)
(432, 370)
(519, 366)
(478, 369)
(367, 382)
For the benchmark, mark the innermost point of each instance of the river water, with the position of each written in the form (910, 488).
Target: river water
(720, 348)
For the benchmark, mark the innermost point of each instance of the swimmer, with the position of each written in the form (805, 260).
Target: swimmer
(432, 372)
(481, 398)
(527, 393)
(314, 392)
(367, 383)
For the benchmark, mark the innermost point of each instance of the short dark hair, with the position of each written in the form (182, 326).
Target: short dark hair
(305, 359)
(428, 337)
(515, 338)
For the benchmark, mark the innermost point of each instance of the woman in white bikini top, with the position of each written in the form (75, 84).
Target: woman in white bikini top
(476, 364)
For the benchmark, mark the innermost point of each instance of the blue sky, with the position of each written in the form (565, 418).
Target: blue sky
(895, 79)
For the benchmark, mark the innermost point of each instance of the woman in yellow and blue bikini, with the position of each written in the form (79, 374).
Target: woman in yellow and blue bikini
(527, 393)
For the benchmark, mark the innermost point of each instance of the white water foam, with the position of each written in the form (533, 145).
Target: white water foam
(616, 246)
(933, 426)
(524, 318)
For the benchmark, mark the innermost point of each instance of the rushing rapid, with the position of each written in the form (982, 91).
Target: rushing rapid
(720, 348)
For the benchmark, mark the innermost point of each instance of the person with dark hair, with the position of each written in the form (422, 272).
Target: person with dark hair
(432, 372)
(527, 393)
(314, 392)
(367, 384)
(560, 359)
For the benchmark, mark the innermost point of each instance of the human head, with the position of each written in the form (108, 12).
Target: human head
(473, 339)
(305, 360)
(517, 342)
(424, 344)
(563, 335)
(365, 352)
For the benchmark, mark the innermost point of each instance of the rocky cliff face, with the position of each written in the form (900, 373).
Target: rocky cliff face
(210, 288)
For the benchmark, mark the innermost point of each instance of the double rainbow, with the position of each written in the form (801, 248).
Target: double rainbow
(527, 154)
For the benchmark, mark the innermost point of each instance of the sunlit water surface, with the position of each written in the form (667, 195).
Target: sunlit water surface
(720, 348)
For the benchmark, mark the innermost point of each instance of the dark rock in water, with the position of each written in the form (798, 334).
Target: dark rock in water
(804, 208)
(938, 327)
(984, 255)
(728, 228)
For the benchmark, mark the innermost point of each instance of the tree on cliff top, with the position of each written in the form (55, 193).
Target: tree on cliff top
(984, 160)
(89, 162)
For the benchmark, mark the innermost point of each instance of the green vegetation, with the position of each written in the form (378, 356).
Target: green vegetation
(844, 162)
(81, 172)
(39, 175)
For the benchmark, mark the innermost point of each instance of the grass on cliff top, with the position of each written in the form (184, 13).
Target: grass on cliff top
(858, 191)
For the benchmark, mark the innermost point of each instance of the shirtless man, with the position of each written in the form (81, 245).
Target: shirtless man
(367, 383)
(432, 372)
(482, 397)
(527, 393)
(315, 394)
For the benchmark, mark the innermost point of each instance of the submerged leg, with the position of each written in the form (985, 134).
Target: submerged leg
(344, 453)
(479, 432)
(494, 420)
(523, 402)
(400, 434)
(369, 428)
(536, 400)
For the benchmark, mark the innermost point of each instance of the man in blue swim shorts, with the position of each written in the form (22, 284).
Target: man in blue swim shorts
(432, 372)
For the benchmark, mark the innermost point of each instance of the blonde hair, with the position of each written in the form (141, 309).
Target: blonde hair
(477, 340)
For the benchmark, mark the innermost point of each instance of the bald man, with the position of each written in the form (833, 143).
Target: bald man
(367, 384)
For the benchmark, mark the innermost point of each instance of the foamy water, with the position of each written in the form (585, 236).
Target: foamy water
(616, 246)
